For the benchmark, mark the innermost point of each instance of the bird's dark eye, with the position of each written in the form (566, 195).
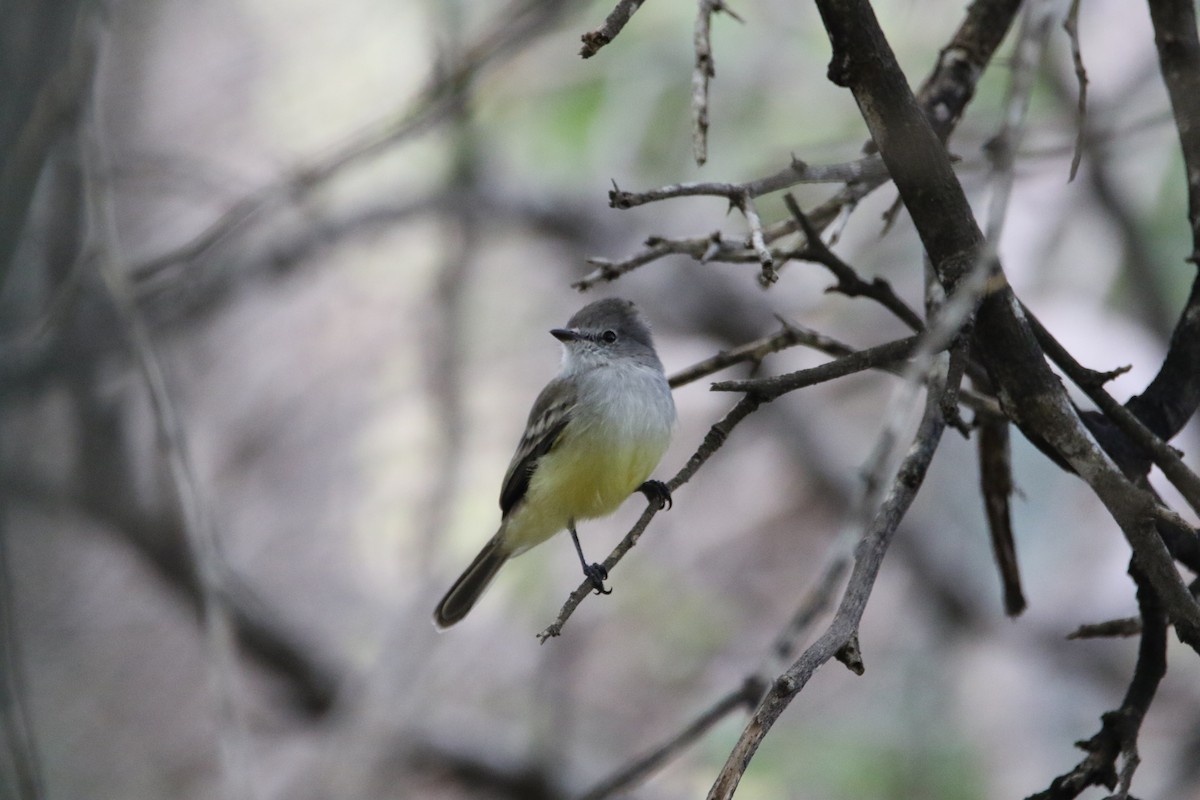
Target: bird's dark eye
(609, 336)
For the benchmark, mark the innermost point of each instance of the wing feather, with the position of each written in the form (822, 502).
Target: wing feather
(549, 416)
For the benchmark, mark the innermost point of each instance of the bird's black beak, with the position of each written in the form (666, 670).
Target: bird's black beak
(565, 335)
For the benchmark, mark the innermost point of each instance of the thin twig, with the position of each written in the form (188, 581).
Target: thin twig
(716, 247)
(749, 210)
(1071, 26)
(848, 281)
(1118, 628)
(767, 389)
(1118, 734)
(943, 96)
(996, 484)
(790, 334)
(1162, 454)
(995, 462)
(593, 40)
(795, 173)
(703, 72)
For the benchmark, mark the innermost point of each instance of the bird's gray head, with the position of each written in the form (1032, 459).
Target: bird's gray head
(607, 329)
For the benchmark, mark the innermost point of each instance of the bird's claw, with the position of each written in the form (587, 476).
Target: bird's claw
(657, 493)
(597, 574)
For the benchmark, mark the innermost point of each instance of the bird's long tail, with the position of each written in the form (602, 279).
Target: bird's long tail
(471, 584)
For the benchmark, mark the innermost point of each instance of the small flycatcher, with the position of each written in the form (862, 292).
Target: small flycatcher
(594, 435)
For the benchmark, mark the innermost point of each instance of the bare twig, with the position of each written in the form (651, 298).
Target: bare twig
(996, 484)
(792, 334)
(1162, 454)
(795, 173)
(714, 247)
(1124, 627)
(1127, 626)
(789, 335)
(768, 275)
(593, 40)
(995, 464)
(848, 281)
(1071, 26)
(943, 96)
(767, 389)
(703, 72)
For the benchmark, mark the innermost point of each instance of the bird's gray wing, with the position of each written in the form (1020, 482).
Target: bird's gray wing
(549, 416)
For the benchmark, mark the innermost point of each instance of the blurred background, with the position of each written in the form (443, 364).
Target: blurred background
(347, 272)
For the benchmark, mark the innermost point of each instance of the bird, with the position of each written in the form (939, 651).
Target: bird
(595, 434)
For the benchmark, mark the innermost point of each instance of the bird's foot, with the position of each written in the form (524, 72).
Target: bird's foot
(657, 493)
(597, 574)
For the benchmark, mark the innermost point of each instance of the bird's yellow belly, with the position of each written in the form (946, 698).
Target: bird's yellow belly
(583, 479)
